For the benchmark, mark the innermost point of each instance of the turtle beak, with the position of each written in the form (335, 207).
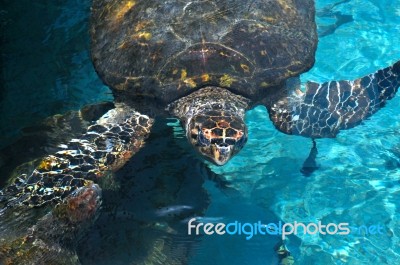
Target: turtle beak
(221, 153)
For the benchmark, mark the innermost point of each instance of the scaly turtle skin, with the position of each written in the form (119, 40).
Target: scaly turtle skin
(205, 62)
(44, 137)
(106, 146)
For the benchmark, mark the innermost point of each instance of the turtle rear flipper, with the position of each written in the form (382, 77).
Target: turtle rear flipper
(325, 109)
(310, 164)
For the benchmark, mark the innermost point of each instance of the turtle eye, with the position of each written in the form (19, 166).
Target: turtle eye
(202, 140)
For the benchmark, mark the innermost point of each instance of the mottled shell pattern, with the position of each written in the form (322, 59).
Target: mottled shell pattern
(168, 49)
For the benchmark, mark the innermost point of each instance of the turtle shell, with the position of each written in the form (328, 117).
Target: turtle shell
(167, 49)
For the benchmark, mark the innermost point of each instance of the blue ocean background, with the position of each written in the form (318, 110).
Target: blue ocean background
(46, 69)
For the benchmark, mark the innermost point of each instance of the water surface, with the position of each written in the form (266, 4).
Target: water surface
(46, 70)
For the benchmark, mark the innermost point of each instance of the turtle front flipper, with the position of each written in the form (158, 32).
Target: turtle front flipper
(106, 146)
(66, 181)
(325, 109)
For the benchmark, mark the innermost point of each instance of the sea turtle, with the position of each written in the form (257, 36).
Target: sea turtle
(210, 61)
(206, 63)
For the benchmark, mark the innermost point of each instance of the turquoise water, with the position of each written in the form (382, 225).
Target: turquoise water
(358, 180)
(45, 64)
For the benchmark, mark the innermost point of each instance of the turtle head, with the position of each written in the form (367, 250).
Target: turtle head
(214, 121)
(218, 135)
